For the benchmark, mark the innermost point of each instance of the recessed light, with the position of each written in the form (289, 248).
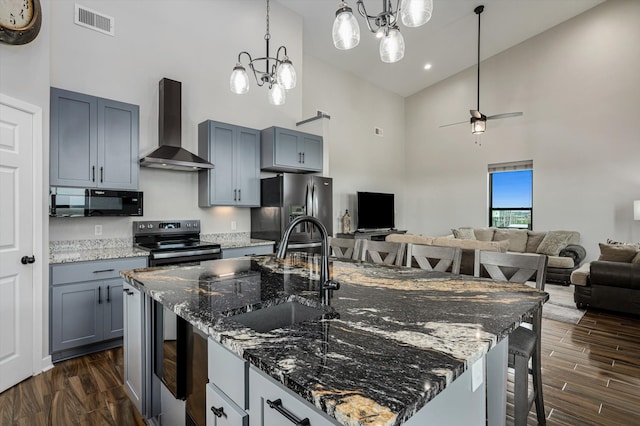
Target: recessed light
(427, 66)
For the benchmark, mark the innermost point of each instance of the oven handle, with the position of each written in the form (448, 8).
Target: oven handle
(184, 253)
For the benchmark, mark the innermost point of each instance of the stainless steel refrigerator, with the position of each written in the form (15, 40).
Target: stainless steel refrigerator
(287, 196)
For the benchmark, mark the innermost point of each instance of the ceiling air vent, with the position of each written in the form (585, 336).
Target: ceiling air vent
(94, 20)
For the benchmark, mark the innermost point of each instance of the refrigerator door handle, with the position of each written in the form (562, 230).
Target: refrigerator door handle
(308, 209)
(314, 198)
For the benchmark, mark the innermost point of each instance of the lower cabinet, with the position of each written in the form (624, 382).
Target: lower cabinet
(222, 411)
(134, 370)
(86, 305)
(272, 404)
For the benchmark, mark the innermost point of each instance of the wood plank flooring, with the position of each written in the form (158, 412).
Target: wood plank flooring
(591, 376)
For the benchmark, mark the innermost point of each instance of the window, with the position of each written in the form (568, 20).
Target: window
(511, 195)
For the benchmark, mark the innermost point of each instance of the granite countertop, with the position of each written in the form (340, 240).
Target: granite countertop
(98, 249)
(234, 240)
(393, 339)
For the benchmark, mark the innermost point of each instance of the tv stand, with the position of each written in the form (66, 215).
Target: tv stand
(371, 234)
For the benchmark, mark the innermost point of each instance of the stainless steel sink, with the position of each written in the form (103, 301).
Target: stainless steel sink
(278, 316)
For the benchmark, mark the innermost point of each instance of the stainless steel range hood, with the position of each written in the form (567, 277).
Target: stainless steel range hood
(170, 155)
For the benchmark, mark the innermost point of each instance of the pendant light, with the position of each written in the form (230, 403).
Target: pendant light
(413, 13)
(278, 73)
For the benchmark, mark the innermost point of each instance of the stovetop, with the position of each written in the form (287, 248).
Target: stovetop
(164, 235)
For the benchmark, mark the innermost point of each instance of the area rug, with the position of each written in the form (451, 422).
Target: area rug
(561, 306)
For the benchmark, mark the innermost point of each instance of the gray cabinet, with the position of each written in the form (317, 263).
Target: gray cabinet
(235, 152)
(285, 150)
(94, 141)
(227, 391)
(86, 304)
(228, 253)
(271, 401)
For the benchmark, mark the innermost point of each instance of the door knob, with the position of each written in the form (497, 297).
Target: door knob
(27, 259)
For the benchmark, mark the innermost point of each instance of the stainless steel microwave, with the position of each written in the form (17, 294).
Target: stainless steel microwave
(80, 202)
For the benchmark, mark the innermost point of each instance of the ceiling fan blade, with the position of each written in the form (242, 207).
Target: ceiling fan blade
(505, 115)
(475, 113)
(455, 124)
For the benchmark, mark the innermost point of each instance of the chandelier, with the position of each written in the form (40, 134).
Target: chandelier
(276, 73)
(413, 13)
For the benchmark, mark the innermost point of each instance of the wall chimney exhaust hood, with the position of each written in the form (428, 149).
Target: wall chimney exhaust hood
(170, 155)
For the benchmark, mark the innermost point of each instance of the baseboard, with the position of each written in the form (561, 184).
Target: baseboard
(47, 364)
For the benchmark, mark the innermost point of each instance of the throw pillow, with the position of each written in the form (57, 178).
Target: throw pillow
(617, 252)
(517, 238)
(484, 234)
(534, 240)
(612, 242)
(637, 258)
(554, 242)
(464, 233)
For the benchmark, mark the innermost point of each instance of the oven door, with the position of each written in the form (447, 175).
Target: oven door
(185, 258)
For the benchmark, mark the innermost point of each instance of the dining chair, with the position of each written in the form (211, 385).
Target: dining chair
(382, 252)
(345, 248)
(524, 343)
(434, 258)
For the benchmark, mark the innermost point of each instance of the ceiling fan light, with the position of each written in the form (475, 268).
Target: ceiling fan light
(286, 74)
(346, 31)
(392, 46)
(277, 95)
(478, 125)
(415, 13)
(239, 81)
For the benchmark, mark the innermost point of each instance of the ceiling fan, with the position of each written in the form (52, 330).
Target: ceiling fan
(479, 120)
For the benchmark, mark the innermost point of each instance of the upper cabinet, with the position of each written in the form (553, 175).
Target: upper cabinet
(285, 150)
(94, 142)
(235, 153)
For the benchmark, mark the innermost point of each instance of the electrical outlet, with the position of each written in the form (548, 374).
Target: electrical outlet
(98, 230)
(234, 225)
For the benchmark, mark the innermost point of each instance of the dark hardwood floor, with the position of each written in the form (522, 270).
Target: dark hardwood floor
(591, 375)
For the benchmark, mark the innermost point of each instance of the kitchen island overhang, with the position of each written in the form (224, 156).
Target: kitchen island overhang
(397, 338)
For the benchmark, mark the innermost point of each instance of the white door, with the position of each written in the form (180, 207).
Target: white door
(16, 242)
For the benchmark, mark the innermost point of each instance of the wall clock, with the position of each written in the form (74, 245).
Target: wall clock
(20, 20)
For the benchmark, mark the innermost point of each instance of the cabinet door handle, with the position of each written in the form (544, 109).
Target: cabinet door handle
(299, 157)
(235, 195)
(277, 405)
(219, 412)
(103, 270)
(303, 158)
(99, 295)
(93, 173)
(108, 294)
(239, 194)
(101, 174)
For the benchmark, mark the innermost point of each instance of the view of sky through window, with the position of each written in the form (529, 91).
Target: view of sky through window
(512, 189)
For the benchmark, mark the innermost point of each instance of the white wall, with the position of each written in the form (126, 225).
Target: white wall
(358, 160)
(578, 87)
(197, 44)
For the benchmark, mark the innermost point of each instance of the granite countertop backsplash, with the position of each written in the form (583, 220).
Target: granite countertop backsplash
(114, 248)
(392, 340)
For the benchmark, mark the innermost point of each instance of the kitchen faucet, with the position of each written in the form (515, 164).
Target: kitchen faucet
(326, 283)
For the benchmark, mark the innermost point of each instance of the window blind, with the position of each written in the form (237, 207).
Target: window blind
(511, 166)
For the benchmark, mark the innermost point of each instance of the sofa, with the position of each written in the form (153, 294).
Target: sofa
(612, 282)
(562, 248)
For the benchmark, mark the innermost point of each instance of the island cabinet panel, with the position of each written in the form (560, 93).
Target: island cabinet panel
(222, 411)
(94, 142)
(87, 304)
(235, 153)
(229, 373)
(134, 368)
(285, 150)
(228, 253)
(271, 402)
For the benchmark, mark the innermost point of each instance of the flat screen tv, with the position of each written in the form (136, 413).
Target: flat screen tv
(375, 210)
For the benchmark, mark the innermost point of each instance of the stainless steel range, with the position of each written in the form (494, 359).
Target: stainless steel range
(173, 242)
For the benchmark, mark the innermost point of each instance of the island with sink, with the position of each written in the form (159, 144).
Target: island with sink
(395, 346)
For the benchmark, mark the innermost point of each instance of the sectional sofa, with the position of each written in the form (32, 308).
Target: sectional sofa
(562, 248)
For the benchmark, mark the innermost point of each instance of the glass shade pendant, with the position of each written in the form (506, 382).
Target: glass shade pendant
(346, 31)
(277, 94)
(239, 81)
(478, 125)
(286, 74)
(415, 13)
(392, 46)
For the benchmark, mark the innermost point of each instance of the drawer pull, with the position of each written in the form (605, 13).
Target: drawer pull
(103, 270)
(277, 405)
(219, 412)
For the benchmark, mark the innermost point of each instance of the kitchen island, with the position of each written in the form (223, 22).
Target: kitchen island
(392, 340)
